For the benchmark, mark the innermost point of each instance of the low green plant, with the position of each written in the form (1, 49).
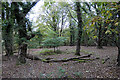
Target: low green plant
(78, 74)
(18, 63)
(42, 75)
(49, 52)
(49, 75)
(61, 72)
(86, 52)
(54, 42)
(46, 51)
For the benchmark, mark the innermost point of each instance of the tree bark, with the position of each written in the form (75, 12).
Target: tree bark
(99, 41)
(99, 46)
(21, 20)
(71, 37)
(8, 39)
(118, 59)
(47, 60)
(22, 53)
(79, 17)
(7, 31)
(61, 26)
(71, 33)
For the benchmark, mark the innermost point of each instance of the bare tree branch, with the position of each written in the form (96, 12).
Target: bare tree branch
(71, 15)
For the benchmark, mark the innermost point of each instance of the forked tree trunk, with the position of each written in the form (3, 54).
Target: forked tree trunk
(21, 20)
(79, 17)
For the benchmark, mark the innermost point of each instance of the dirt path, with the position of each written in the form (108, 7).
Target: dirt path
(71, 69)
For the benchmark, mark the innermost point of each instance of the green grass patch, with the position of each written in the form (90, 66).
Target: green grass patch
(83, 51)
(78, 74)
(49, 52)
(87, 52)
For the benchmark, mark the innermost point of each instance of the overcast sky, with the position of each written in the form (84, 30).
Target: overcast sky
(35, 11)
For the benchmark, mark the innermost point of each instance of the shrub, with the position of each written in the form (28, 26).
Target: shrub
(49, 52)
(54, 42)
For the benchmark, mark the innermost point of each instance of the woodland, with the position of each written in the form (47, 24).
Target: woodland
(60, 39)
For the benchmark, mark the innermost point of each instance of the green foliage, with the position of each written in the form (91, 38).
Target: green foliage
(61, 72)
(49, 52)
(78, 74)
(35, 41)
(86, 52)
(54, 42)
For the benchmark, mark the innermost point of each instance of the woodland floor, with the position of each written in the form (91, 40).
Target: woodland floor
(70, 69)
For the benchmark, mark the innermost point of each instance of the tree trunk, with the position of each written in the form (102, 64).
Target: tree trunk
(54, 48)
(7, 31)
(71, 34)
(21, 20)
(54, 23)
(71, 39)
(79, 17)
(22, 53)
(61, 26)
(99, 42)
(86, 39)
(118, 59)
(8, 44)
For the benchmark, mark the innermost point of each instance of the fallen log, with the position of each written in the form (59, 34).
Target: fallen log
(62, 60)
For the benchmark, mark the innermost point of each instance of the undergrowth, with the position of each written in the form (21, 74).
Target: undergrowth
(52, 52)
(49, 52)
(61, 73)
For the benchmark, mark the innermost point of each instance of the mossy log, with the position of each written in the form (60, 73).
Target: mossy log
(61, 60)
